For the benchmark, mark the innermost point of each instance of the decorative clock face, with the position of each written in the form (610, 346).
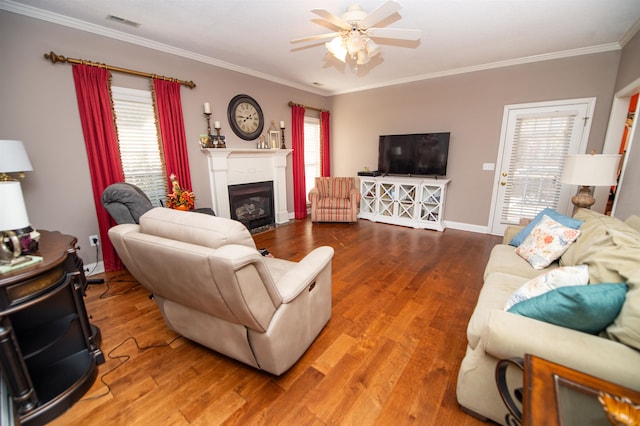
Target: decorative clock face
(245, 117)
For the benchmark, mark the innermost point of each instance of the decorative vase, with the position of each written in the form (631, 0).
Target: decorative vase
(182, 207)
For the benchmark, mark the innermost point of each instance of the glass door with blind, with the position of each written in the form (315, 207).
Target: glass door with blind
(534, 142)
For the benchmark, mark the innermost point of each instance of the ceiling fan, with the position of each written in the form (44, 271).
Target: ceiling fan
(356, 31)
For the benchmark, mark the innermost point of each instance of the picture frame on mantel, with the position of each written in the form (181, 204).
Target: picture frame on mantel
(274, 139)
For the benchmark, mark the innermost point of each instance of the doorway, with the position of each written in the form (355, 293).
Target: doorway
(626, 201)
(534, 142)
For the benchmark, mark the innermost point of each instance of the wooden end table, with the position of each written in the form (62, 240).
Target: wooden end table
(558, 395)
(49, 351)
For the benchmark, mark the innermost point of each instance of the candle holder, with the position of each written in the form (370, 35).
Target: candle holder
(220, 143)
(210, 138)
(282, 145)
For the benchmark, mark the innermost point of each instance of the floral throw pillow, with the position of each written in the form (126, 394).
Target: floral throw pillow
(556, 278)
(558, 217)
(546, 242)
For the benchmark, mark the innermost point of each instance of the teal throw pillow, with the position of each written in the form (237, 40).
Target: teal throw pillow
(589, 308)
(567, 221)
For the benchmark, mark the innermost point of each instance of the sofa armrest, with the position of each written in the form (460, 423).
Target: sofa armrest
(510, 232)
(304, 273)
(510, 335)
(314, 194)
(354, 196)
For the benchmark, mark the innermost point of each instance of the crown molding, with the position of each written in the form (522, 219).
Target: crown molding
(631, 32)
(492, 65)
(77, 24)
(141, 41)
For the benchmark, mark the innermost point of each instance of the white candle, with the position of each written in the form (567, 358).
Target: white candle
(282, 124)
(207, 108)
(216, 124)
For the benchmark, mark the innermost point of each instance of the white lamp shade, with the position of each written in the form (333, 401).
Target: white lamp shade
(13, 157)
(13, 213)
(372, 48)
(363, 57)
(591, 169)
(336, 48)
(355, 42)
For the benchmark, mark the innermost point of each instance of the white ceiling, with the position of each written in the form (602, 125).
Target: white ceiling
(253, 36)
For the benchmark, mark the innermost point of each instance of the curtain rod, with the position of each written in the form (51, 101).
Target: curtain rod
(292, 104)
(59, 58)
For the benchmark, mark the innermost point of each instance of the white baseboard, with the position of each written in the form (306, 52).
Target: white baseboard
(467, 227)
(93, 268)
(453, 225)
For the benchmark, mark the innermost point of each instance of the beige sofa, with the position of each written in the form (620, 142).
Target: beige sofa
(213, 287)
(611, 249)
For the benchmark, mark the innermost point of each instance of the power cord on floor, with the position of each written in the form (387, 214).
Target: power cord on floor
(93, 281)
(105, 294)
(123, 360)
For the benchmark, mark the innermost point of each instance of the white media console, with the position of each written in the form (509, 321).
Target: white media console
(406, 201)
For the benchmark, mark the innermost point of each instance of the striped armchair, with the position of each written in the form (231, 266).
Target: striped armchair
(334, 199)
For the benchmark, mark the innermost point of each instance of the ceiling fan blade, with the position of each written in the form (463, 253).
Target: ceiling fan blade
(397, 33)
(383, 11)
(331, 18)
(316, 37)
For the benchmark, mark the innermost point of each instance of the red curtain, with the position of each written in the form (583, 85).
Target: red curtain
(101, 142)
(174, 141)
(297, 136)
(325, 141)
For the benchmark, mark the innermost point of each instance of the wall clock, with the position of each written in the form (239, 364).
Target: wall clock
(245, 117)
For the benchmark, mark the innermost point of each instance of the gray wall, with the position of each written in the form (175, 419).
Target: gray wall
(470, 106)
(39, 107)
(629, 69)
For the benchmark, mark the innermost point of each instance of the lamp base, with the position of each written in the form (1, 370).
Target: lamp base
(584, 198)
(15, 261)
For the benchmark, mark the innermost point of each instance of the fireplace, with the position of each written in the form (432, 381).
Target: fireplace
(234, 166)
(252, 204)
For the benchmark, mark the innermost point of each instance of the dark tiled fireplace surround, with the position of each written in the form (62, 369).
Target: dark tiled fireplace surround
(252, 204)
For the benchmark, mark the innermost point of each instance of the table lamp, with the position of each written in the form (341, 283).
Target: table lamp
(15, 227)
(14, 159)
(589, 170)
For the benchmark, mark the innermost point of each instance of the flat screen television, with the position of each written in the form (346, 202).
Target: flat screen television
(423, 154)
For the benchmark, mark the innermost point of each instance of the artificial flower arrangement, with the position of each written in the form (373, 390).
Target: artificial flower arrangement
(181, 199)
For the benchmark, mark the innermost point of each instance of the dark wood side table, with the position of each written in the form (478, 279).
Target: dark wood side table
(557, 395)
(49, 351)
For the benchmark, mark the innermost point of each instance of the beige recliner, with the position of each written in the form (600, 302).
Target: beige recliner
(212, 286)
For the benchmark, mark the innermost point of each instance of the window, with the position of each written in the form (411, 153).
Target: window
(311, 152)
(140, 152)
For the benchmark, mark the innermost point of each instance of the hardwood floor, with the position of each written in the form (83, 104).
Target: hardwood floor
(389, 355)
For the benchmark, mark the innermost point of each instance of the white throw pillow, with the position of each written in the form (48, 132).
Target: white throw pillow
(559, 277)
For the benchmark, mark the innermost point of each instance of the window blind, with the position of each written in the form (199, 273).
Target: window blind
(140, 151)
(541, 143)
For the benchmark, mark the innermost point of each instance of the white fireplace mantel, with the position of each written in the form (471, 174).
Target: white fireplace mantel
(233, 166)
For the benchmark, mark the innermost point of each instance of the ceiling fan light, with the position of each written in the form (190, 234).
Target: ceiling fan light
(342, 55)
(363, 57)
(355, 42)
(337, 49)
(372, 48)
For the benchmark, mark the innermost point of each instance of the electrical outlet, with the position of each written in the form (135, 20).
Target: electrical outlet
(94, 240)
